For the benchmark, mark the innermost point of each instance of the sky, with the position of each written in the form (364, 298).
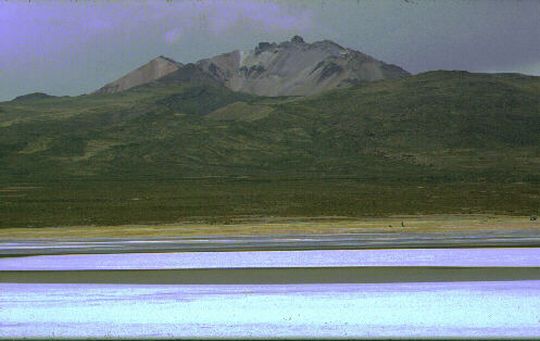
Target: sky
(75, 47)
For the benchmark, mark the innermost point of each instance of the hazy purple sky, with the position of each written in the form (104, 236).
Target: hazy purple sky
(70, 47)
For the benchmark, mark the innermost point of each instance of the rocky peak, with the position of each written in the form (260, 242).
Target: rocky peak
(297, 40)
(263, 46)
(295, 67)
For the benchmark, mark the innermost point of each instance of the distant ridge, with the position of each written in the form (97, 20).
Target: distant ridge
(32, 96)
(290, 68)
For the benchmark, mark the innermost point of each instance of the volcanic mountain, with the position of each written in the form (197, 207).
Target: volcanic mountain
(296, 68)
(291, 68)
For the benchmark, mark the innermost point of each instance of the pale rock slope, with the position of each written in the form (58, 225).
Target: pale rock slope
(149, 72)
(296, 68)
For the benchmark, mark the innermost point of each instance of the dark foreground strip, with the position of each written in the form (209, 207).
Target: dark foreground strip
(277, 275)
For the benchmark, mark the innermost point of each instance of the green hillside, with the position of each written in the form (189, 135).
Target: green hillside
(206, 150)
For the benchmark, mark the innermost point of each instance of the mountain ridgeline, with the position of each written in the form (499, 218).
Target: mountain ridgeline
(286, 129)
(296, 68)
(291, 68)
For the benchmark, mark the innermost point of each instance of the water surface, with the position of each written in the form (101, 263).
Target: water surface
(457, 309)
(481, 257)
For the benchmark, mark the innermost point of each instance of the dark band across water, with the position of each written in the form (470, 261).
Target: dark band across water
(302, 275)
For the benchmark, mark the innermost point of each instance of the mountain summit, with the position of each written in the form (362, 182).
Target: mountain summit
(290, 68)
(296, 68)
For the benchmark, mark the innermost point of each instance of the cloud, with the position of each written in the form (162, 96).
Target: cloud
(268, 16)
(50, 26)
(530, 69)
(527, 69)
(219, 17)
(172, 36)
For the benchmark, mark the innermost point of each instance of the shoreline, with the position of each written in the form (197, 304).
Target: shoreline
(277, 246)
(278, 234)
(272, 225)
